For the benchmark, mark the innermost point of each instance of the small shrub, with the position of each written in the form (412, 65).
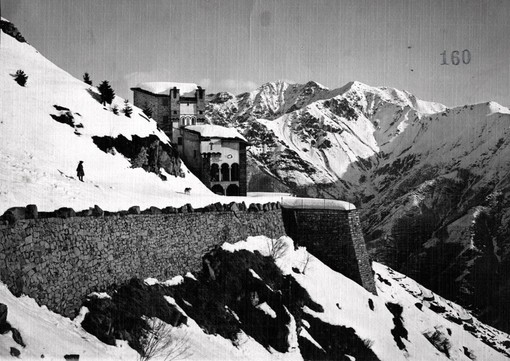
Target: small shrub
(160, 341)
(86, 79)
(20, 77)
(141, 160)
(127, 110)
(115, 109)
(276, 248)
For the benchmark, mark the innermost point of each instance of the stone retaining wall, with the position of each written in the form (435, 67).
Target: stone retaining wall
(59, 260)
(336, 238)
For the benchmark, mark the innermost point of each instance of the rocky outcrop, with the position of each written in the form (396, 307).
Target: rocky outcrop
(9, 28)
(149, 153)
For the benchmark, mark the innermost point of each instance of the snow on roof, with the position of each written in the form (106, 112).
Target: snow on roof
(316, 203)
(163, 88)
(216, 131)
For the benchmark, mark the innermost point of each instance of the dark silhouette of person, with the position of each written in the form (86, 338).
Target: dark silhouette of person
(80, 171)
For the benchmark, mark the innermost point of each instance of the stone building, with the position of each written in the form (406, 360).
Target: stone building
(173, 106)
(217, 156)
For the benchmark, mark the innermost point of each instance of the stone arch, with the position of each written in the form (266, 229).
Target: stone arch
(225, 172)
(232, 190)
(215, 172)
(217, 189)
(234, 173)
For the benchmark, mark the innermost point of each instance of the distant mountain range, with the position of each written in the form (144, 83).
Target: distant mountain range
(432, 182)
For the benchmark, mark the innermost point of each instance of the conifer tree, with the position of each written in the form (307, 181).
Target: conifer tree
(86, 78)
(127, 109)
(106, 92)
(20, 77)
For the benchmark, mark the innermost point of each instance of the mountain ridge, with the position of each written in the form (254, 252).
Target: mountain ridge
(416, 169)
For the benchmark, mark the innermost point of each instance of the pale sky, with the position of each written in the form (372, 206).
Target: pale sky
(237, 45)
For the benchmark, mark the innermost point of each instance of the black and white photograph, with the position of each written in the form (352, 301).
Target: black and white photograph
(259, 180)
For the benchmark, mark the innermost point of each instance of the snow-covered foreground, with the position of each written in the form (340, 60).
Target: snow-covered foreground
(344, 302)
(39, 156)
(347, 303)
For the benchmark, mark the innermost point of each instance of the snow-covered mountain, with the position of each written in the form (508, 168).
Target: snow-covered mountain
(431, 182)
(246, 305)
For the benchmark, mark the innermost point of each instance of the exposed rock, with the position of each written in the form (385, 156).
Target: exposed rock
(9, 28)
(15, 352)
(3, 313)
(16, 336)
(72, 357)
(148, 153)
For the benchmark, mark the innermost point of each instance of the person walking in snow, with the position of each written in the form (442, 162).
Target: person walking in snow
(80, 171)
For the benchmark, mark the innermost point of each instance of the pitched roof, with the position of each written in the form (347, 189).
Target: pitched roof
(163, 88)
(216, 131)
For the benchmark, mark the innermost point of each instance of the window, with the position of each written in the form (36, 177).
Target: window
(179, 141)
(215, 172)
(200, 112)
(175, 111)
(193, 121)
(225, 172)
(235, 172)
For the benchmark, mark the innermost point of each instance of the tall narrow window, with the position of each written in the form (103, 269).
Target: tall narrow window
(215, 172)
(235, 172)
(225, 172)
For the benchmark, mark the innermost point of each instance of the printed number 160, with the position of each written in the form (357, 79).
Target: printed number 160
(455, 58)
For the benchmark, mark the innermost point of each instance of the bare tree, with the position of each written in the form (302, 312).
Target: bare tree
(162, 341)
(306, 261)
(276, 248)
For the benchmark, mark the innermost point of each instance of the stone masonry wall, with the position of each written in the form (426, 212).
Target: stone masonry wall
(57, 261)
(335, 237)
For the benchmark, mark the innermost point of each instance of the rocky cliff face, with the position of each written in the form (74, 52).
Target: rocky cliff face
(431, 181)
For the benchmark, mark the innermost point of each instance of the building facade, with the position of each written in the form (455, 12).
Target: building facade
(173, 106)
(217, 156)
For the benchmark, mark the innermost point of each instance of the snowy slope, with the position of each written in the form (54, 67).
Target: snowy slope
(346, 303)
(38, 155)
(343, 302)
